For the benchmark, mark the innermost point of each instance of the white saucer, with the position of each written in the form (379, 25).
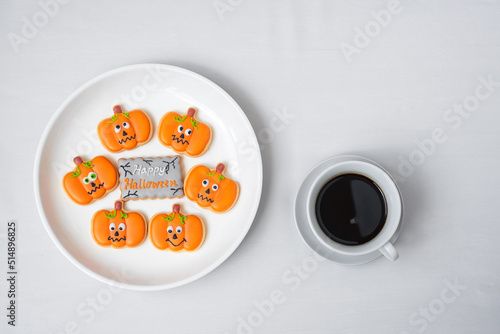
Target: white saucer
(305, 230)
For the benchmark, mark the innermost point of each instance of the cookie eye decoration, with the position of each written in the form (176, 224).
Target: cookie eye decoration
(184, 134)
(219, 197)
(90, 180)
(125, 130)
(118, 228)
(175, 231)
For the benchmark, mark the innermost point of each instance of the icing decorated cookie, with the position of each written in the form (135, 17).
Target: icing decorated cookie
(90, 180)
(175, 231)
(159, 177)
(184, 134)
(125, 130)
(118, 228)
(211, 189)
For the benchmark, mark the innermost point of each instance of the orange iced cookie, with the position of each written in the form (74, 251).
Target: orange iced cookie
(176, 231)
(125, 130)
(90, 180)
(210, 188)
(184, 134)
(118, 228)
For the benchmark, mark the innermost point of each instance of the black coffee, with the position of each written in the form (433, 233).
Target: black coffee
(351, 209)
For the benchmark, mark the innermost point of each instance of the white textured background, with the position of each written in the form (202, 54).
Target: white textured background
(273, 56)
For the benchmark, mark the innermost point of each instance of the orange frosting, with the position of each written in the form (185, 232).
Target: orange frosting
(118, 228)
(125, 131)
(184, 134)
(90, 180)
(175, 231)
(210, 188)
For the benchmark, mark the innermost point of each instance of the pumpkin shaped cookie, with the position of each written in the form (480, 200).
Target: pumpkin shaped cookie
(90, 180)
(210, 188)
(176, 231)
(184, 134)
(125, 130)
(118, 228)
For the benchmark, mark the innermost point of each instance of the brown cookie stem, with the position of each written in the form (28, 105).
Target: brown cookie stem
(118, 205)
(117, 109)
(220, 167)
(176, 208)
(191, 112)
(78, 160)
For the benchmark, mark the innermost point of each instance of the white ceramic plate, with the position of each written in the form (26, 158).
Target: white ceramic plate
(156, 89)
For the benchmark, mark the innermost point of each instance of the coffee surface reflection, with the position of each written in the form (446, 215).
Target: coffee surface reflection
(351, 209)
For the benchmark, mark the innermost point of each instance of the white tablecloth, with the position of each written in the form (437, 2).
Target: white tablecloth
(414, 86)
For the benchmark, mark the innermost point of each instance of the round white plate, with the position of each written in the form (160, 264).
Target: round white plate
(156, 89)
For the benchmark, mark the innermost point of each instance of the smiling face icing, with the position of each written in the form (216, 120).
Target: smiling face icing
(124, 130)
(118, 228)
(184, 134)
(176, 231)
(90, 180)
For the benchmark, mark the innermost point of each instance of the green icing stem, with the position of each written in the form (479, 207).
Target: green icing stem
(88, 164)
(221, 177)
(115, 116)
(123, 215)
(170, 218)
(77, 172)
(111, 215)
(195, 123)
(179, 119)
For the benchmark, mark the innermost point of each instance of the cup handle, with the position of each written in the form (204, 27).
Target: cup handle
(389, 251)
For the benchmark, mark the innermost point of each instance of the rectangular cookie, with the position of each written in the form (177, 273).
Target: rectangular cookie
(143, 178)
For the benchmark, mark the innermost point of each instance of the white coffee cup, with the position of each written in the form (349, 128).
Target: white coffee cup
(331, 168)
